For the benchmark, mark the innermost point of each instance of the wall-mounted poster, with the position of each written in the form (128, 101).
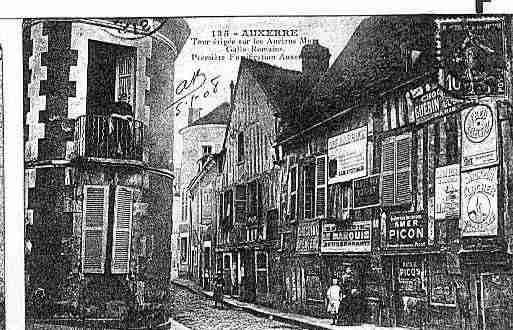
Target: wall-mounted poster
(366, 191)
(479, 137)
(442, 291)
(347, 154)
(479, 202)
(472, 50)
(308, 237)
(447, 192)
(410, 274)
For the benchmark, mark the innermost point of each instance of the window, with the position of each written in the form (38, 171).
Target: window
(340, 200)
(227, 217)
(253, 198)
(321, 180)
(122, 230)
(125, 78)
(293, 192)
(309, 190)
(110, 77)
(207, 150)
(240, 147)
(183, 250)
(240, 203)
(396, 170)
(96, 220)
(94, 237)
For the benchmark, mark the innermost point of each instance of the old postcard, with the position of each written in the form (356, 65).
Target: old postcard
(268, 172)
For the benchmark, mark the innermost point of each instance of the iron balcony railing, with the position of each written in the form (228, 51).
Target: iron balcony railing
(113, 137)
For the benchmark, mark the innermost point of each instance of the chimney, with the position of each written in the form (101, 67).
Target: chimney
(314, 59)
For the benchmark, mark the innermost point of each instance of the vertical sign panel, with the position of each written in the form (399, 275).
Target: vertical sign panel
(479, 137)
(447, 192)
(347, 153)
(479, 202)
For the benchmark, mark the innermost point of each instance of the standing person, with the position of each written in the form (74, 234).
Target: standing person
(333, 299)
(348, 291)
(218, 289)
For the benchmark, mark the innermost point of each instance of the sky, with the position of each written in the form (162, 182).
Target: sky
(211, 55)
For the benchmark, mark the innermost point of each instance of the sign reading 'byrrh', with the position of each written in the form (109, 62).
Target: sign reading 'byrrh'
(479, 138)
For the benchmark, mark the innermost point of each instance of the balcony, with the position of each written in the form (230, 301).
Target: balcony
(109, 137)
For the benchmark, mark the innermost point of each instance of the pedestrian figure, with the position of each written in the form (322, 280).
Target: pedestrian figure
(348, 291)
(333, 299)
(218, 289)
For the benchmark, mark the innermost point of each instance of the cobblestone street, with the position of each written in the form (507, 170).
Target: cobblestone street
(197, 312)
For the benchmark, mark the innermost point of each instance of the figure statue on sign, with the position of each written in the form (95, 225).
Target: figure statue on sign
(471, 48)
(475, 62)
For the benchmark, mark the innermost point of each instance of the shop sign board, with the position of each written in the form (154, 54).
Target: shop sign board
(410, 274)
(479, 137)
(447, 192)
(479, 202)
(355, 237)
(366, 191)
(347, 154)
(431, 102)
(406, 230)
(307, 237)
(472, 55)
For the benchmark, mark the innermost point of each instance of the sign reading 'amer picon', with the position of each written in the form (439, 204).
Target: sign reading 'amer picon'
(406, 230)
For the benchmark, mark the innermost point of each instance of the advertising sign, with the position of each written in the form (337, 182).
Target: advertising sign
(347, 154)
(307, 237)
(431, 102)
(410, 274)
(406, 230)
(356, 237)
(366, 191)
(479, 202)
(472, 54)
(443, 291)
(479, 137)
(447, 192)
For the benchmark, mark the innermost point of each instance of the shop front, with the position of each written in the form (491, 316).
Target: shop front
(305, 289)
(405, 241)
(346, 254)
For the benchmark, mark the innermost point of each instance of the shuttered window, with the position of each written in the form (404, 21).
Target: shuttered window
(122, 230)
(293, 192)
(396, 170)
(240, 203)
(94, 229)
(125, 79)
(321, 179)
(309, 191)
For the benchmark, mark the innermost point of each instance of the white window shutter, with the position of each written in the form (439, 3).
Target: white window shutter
(94, 229)
(387, 171)
(122, 230)
(321, 185)
(403, 169)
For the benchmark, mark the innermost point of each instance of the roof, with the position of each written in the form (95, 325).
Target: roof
(285, 88)
(219, 116)
(372, 56)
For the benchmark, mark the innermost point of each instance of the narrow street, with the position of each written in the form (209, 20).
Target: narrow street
(197, 312)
